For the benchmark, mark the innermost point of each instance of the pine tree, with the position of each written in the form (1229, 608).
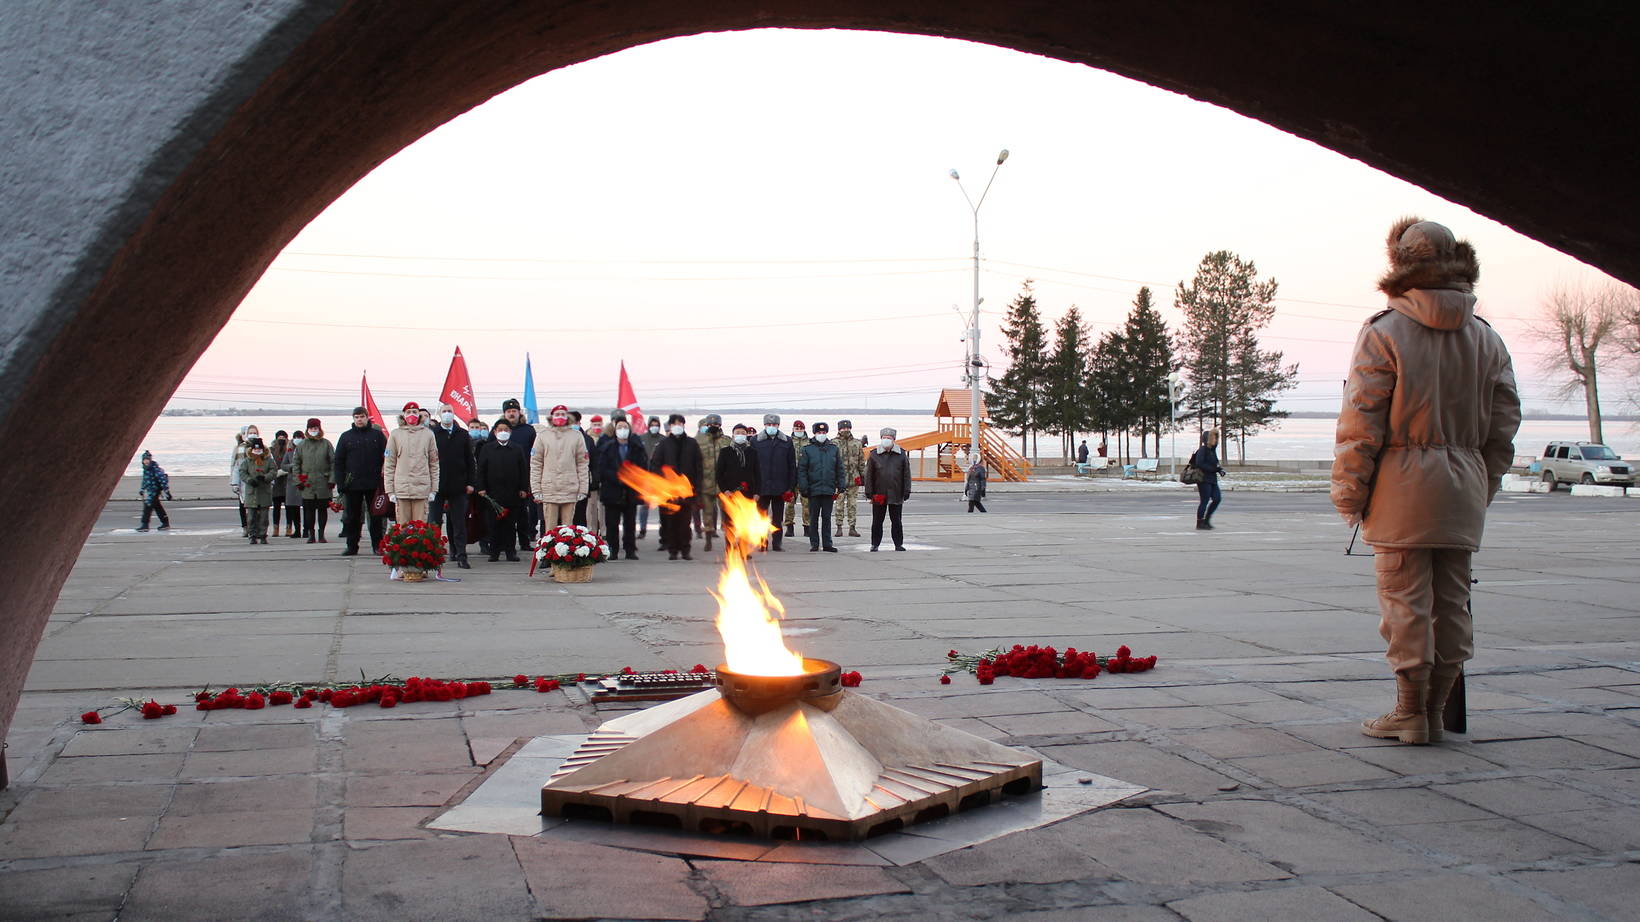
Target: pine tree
(1113, 396)
(1067, 410)
(1233, 382)
(1016, 399)
(1149, 360)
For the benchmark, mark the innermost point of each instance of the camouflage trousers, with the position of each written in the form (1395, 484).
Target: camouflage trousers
(845, 507)
(792, 516)
(707, 513)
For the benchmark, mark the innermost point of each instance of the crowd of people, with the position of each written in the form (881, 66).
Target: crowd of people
(500, 485)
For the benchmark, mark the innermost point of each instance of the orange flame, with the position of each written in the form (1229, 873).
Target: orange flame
(749, 617)
(657, 489)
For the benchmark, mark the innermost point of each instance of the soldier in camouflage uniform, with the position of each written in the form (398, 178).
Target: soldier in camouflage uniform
(712, 442)
(800, 438)
(854, 468)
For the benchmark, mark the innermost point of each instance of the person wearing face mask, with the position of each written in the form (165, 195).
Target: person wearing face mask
(620, 502)
(448, 507)
(292, 487)
(559, 472)
(256, 475)
(800, 440)
(478, 432)
(712, 441)
(736, 468)
(503, 475)
(410, 473)
(888, 483)
(854, 469)
(651, 439)
(315, 461)
(240, 446)
(357, 471)
(678, 451)
(820, 479)
(776, 474)
(523, 438)
(281, 477)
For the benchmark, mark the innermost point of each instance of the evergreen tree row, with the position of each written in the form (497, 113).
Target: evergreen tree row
(1118, 385)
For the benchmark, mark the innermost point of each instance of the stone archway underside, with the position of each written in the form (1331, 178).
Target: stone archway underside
(1518, 109)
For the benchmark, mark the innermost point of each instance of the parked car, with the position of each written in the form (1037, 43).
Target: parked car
(1584, 462)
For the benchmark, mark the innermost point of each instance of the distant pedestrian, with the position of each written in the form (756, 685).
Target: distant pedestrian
(853, 451)
(680, 452)
(293, 491)
(620, 502)
(1424, 438)
(713, 440)
(240, 448)
(448, 508)
(1206, 460)
(800, 440)
(1082, 452)
(357, 471)
(974, 485)
(256, 475)
(1104, 447)
(559, 474)
(819, 480)
(651, 438)
(888, 483)
(776, 475)
(315, 466)
(155, 483)
(410, 472)
(503, 474)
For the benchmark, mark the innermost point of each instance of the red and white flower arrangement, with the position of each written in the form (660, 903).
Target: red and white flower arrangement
(571, 546)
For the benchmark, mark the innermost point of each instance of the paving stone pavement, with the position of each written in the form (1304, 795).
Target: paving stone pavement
(1266, 801)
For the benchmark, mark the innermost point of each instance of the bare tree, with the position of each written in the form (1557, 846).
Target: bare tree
(1627, 339)
(1579, 321)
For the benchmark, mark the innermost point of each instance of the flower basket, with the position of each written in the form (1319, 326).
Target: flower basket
(570, 547)
(414, 548)
(563, 573)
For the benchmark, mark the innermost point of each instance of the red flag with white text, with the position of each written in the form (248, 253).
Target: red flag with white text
(369, 402)
(627, 400)
(458, 390)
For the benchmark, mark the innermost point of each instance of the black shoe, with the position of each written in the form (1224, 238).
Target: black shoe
(463, 564)
(874, 548)
(808, 532)
(512, 557)
(1203, 525)
(375, 550)
(143, 528)
(814, 549)
(313, 540)
(163, 526)
(643, 532)
(350, 552)
(671, 555)
(829, 550)
(899, 547)
(495, 558)
(686, 556)
(631, 555)
(789, 531)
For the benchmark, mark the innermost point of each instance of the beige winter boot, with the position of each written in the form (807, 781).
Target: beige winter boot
(1441, 680)
(1408, 722)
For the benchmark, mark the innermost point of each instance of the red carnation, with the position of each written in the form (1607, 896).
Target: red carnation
(169, 709)
(389, 701)
(521, 680)
(580, 677)
(699, 669)
(255, 702)
(202, 696)
(951, 654)
(304, 702)
(945, 680)
(91, 717)
(628, 670)
(1123, 652)
(152, 709)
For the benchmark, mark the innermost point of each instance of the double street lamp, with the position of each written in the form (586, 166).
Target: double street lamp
(976, 365)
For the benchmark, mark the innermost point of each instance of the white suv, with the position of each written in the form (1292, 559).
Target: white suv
(1584, 462)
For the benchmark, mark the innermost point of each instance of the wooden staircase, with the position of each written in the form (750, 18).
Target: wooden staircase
(950, 442)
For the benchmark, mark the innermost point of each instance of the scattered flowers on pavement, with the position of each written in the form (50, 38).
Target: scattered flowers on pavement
(1043, 662)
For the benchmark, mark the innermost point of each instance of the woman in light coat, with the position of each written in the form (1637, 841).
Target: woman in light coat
(558, 469)
(410, 472)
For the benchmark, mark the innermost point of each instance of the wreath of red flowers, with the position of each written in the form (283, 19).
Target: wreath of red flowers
(414, 545)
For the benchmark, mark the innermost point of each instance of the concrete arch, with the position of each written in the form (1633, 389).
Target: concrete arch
(162, 155)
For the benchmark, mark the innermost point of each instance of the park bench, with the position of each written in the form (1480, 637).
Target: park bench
(1142, 469)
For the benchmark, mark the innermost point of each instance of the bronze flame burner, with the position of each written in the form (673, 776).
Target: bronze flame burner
(756, 694)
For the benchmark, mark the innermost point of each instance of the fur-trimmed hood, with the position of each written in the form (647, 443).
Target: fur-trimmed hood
(1423, 254)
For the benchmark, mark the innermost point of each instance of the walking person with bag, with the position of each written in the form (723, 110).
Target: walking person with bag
(1203, 471)
(974, 486)
(1424, 438)
(154, 482)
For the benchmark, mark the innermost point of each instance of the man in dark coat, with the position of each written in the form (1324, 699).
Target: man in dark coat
(776, 473)
(888, 483)
(737, 464)
(456, 476)
(678, 451)
(360, 453)
(620, 501)
(523, 437)
(502, 476)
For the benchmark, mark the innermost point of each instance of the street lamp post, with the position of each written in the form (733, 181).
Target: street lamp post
(975, 363)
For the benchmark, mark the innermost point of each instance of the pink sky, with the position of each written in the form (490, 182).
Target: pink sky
(765, 218)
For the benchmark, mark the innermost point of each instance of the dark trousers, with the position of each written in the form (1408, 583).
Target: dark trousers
(643, 518)
(1208, 490)
(675, 534)
(355, 509)
(504, 533)
(527, 525)
(621, 528)
(257, 521)
(244, 520)
(581, 513)
(152, 506)
(775, 507)
(278, 505)
(312, 510)
(820, 519)
(450, 513)
(892, 510)
(976, 503)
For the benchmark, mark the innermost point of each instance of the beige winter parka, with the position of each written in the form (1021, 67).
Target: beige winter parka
(558, 466)
(1429, 418)
(411, 468)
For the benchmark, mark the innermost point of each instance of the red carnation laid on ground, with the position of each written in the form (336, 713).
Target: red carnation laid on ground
(91, 717)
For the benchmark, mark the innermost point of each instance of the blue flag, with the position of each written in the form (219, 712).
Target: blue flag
(532, 415)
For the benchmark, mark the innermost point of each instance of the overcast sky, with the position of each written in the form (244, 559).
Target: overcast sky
(765, 218)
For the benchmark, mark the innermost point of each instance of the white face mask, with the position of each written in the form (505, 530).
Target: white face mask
(772, 430)
(314, 432)
(447, 418)
(885, 444)
(503, 436)
(655, 429)
(678, 430)
(740, 438)
(621, 432)
(822, 437)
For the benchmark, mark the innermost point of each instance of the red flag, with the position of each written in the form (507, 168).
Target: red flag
(458, 390)
(628, 401)
(369, 402)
